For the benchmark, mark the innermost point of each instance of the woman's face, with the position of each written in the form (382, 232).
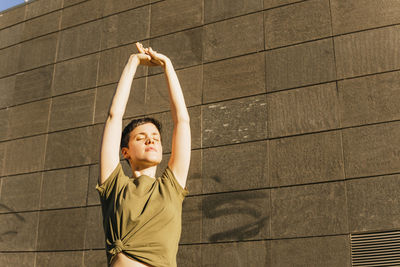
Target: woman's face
(144, 146)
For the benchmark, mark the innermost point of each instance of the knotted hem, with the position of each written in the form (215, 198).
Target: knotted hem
(118, 247)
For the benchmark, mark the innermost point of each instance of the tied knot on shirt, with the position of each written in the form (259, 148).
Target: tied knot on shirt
(118, 246)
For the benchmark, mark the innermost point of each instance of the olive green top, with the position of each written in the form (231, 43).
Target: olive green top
(142, 216)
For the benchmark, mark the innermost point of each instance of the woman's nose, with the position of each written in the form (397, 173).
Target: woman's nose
(149, 141)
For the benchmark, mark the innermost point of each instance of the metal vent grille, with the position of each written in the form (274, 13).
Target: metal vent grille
(376, 249)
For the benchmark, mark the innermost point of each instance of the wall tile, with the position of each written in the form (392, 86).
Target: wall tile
(7, 86)
(115, 6)
(18, 231)
(329, 251)
(95, 258)
(3, 146)
(302, 110)
(306, 159)
(236, 216)
(233, 37)
(372, 150)
(275, 3)
(310, 210)
(93, 194)
(73, 75)
(113, 62)
(37, 8)
(215, 10)
(77, 107)
(183, 48)
(374, 203)
(300, 65)
(55, 229)
(20, 259)
(79, 40)
(236, 254)
(370, 99)
(171, 16)
(33, 155)
(59, 259)
(224, 167)
(4, 122)
(367, 52)
(38, 52)
(297, 23)
(126, 27)
(64, 188)
(349, 16)
(33, 85)
(41, 25)
(12, 16)
(189, 255)
(81, 13)
(9, 60)
(21, 192)
(157, 94)
(29, 119)
(232, 78)
(71, 2)
(11, 35)
(234, 121)
(191, 220)
(95, 234)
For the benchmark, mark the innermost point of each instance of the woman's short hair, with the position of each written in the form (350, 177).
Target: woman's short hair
(135, 123)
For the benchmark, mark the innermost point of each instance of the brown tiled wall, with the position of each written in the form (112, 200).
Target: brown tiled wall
(295, 119)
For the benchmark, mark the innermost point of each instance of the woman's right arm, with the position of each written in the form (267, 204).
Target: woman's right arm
(110, 144)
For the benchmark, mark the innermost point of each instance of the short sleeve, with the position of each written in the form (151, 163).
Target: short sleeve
(169, 175)
(115, 182)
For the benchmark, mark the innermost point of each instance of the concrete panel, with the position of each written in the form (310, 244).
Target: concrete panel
(38, 52)
(233, 37)
(94, 228)
(93, 194)
(33, 155)
(372, 150)
(79, 40)
(236, 216)
(183, 48)
(71, 2)
(330, 251)
(3, 146)
(81, 13)
(306, 159)
(374, 203)
(18, 231)
(171, 16)
(157, 94)
(37, 8)
(55, 229)
(234, 121)
(310, 210)
(300, 65)
(215, 10)
(59, 259)
(7, 86)
(95, 258)
(189, 255)
(20, 259)
(9, 60)
(232, 78)
(191, 220)
(64, 188)
(4, 122)
(33, 85)
(370, 99)
(12, 16)
(113, 62)
(81, 144)
(350, 16)
(41, 25)
(276, 3)
(77, 107)
(76, 74)
(367, 52)
(126, 27)
(303, 110)
(21, 192)
(308, 20)
(29, 119)
(11, 35)
(237, 254)
(136, 102)
(115, 6)
(235, 167)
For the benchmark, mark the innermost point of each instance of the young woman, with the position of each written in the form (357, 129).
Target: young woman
(142, 214)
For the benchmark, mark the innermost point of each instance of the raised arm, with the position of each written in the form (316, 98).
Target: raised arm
(110, 144)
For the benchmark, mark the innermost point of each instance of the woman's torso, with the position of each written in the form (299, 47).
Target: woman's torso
(121, 260)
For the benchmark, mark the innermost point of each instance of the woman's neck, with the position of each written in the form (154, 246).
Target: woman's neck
(148, 171)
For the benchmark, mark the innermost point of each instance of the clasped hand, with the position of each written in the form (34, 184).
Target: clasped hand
(149, 57)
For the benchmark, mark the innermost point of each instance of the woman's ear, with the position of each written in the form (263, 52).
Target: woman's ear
(124, 152)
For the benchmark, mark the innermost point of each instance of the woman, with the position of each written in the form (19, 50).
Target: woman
(142, 214)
